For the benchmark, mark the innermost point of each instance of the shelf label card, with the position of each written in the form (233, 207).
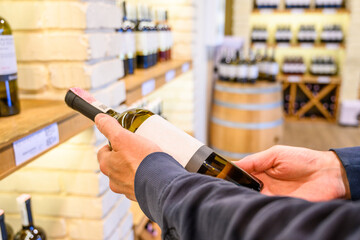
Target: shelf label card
(332, 46)
(259, 45)
(329, 11)
(307, 45)
(148, 86)
(294, 79)
(266, 11)
(283, 45)
(35, 143)
(323, 80)
(170, 75)
(297, 11)
(185, 67)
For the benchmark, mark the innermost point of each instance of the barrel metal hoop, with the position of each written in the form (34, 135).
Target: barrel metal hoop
(250, 107)
(230, 154)
(248, 90)
(251, 126)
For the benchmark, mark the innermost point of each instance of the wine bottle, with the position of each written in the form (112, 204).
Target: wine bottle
(6, 232)
(9, 100)
(253, 70)
(142, 39)
(193, 155)
(242, 69)
(29, 230)
(162, 35)
(272, 68)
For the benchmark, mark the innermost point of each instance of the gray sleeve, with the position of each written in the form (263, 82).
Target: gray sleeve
(194, 206)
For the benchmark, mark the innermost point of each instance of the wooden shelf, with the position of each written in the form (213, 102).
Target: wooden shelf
(301, 11)
(39, 114)
(36, 115)
(307, 78)
(309, 46)
(145, 81)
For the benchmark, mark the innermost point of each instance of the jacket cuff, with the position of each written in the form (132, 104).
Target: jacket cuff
(152, 177)
(350, 158)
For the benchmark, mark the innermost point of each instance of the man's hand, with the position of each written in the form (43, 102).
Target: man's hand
(298, 172)
(128, 150)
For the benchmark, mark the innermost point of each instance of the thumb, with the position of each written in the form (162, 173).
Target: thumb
(258, 162)
(111, 129)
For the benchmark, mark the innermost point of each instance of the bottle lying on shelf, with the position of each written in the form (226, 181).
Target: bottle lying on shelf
(297, 3)
(323, 66)
(294, 65)
(332, 34)
(329, 3)
(193, 155)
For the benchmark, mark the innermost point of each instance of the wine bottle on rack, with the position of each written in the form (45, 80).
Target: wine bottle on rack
(189, 152)
(127, 29)
(142, 38)
(253, 70)
(169, 37)
(6, 232)
(9, 99)
(272, 68)
(242, 69)
(162, 35)
(29, 230)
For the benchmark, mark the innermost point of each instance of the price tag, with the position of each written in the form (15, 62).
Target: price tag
(148, 86)
(266, 11)
(332, 46)
(185, 67)
(170, 75)
(329, 11)
(294, 79)
(35, 143)
(283, 45)
(259, 45)
(306, 45)
(323, 80)
(297, 11)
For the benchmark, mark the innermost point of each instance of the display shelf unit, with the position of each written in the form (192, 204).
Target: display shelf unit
(145, 81)
(301, 11)
(309, 46)
(37, 115)
(304, 104)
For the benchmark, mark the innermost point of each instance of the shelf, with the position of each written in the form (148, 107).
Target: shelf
(36, 115)
(307, 78)
(44, 124)
(302, 11)
(310, 46)
(145, 81)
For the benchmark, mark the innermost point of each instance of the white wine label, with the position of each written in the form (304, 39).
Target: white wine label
(129, 42)
(7, 55)
(99, 105)
(170, 75)
(294, 79)
(35, 143)
(142, 42)
(169, 138)
(148, 86)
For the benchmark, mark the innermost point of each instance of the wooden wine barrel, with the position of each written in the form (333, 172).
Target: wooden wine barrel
(246, 118)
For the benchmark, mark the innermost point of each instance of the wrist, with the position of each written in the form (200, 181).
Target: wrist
(343, 183)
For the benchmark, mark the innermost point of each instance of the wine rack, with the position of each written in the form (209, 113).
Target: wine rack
(311, 101)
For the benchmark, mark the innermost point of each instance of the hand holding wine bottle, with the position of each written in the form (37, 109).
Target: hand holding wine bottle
(121, 161)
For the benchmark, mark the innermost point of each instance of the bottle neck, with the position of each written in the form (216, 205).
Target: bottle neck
(3, 233)
(26, 214)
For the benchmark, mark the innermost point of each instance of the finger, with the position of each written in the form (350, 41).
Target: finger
(103, 157)
(111, 129)
(258, 162)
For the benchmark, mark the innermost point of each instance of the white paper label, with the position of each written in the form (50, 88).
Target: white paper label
(35, 143)
(170, 75)
(329, 11)
(7, 55)
(185, 67)
(307, 45)
(170, 139)
(147, 87)
(294, 79)
(129, 42)
(297, 11)
(142, 42)
(266, 11)
(283, 45)
(323, 80)
(332, 46)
